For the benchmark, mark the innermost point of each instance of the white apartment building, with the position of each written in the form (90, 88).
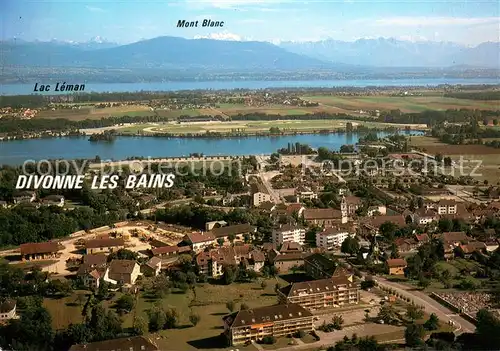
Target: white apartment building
(289, 232)
(331, 238)
(447, 207)
(259, 194)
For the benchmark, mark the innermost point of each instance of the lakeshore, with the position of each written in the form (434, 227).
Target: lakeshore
(18, 151)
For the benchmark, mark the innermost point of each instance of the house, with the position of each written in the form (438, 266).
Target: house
(350, 204)
(268, 206)
(90, 276)
(214, 224)
(491, 245)
(320, 294)
(24, 197)
(446, 207)
(211, 263)
(133, 343)
(295, 208)
(157, 243)
(228, 199)
(40, 251)
(259, 194)
(396, 266)
(104, 245)
(7, 310)
(468, 249)
(152, 267)
(454, 238)
(236, 231)
(305, 193)
(279, 320)
(285, 262)
(323, 216)
(422, 239)
(378, 210)
(375, 222)
(288, 232)
(95, 260)
(165, 251)
(423, 216)
(406, 244)
(290, 247)
(122, 272)
(256, 261)
(199, 241)
(331, 238)
(53, 200)
(319, 266)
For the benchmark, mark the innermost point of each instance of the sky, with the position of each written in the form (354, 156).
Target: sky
(125, 21)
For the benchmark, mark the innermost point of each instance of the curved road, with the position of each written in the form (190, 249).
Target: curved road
(430, 305)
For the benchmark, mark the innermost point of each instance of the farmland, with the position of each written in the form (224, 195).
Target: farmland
(403, 103)
(468, 157)
(245, 126)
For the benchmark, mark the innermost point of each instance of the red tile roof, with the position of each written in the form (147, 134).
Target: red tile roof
(40, 248)
(396, 262)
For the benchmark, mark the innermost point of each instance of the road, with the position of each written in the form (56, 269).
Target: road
(430, 305)
(266, 179)
(459, 192)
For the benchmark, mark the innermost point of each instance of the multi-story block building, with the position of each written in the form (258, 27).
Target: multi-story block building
(278, 320)
(259, 194)
(289, 233)
(318, 266)
(331, 238)
(447, 207)
(319, 294)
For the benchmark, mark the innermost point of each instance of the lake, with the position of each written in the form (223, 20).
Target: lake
(17, 151)
(26, 89)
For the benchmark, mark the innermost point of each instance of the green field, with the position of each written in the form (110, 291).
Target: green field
(247, 126)
(403, 103)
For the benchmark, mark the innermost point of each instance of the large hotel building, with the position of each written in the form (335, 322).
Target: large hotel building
(278, 320)
(320, 294)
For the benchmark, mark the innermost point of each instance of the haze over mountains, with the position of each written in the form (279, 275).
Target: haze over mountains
(161, 52)
(398, 53)
(172, 53)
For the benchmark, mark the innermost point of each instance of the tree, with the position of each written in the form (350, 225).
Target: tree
(495, 122)
(350, 246)
(394, 251)
(230, 305)
(488, 329)
(414, 312)
(423, 282)
(414, 335)
(388, 230)
(432, 323)
(349, 127)
(125, 303)
(194, 319)
(157, 318)
(387, 313)
(337, 322)
(140, 326)
(244, 306)
(231, 238)
(220, 241)
(230, 272)
(171, 318)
